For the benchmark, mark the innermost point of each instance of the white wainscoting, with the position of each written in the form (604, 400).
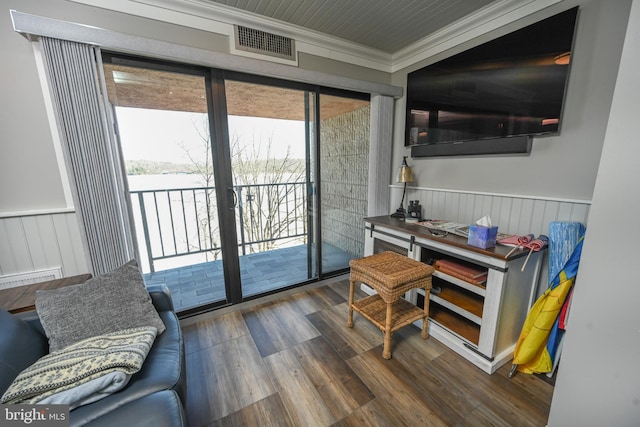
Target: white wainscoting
(41, 240)
(513, 214)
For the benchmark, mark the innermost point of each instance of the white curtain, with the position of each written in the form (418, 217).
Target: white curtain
(83, 118)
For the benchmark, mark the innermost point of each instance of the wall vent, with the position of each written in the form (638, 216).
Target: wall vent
(257, 41)
(21, 279)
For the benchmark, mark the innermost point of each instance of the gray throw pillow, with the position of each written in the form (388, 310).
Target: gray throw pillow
(107, 303)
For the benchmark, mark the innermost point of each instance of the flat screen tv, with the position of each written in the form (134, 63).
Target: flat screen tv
(492, 98)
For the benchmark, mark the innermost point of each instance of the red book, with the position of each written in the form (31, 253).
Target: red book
(464, 269)
(480, 280)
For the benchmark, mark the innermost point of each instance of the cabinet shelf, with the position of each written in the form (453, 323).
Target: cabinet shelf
(455, 323)
(457, 309)
(433, 257)
(477, 289)
(459, 300)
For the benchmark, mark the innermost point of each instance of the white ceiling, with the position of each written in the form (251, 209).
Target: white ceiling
(386, 25)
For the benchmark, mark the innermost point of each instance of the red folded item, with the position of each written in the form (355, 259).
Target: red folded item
(481, 280)
(463, 269)
(564, 312)
(517, 241)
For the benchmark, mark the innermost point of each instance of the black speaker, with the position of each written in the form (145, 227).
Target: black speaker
(510, 145)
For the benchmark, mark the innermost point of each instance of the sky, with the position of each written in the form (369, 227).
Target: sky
(166, 136)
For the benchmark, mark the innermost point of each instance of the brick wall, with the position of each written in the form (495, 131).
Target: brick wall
(344, 160)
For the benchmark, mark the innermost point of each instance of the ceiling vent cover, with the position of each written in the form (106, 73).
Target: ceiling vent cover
(257, 41)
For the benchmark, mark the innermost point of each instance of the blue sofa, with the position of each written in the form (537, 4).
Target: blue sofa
(155, 395)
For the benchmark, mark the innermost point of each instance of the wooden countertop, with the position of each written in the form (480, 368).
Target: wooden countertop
(23, 298)
(499, 251)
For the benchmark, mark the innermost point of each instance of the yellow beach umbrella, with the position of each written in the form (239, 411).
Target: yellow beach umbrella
(535, 351)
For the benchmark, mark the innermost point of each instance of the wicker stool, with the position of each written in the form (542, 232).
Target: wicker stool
(391, 275)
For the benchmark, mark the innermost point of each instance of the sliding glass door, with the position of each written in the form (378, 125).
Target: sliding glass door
(239, 185)
(162, 116)
(344, 171)
(270, 146)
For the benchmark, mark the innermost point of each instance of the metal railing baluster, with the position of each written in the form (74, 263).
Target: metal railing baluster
(184, 218)
(173, 225)
(289, 210)
(195, 211)
(145, 228)
(155, 202)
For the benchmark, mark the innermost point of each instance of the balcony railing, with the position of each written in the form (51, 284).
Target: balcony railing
(184, 221)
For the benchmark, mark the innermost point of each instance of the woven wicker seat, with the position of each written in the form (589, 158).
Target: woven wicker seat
(391, 275)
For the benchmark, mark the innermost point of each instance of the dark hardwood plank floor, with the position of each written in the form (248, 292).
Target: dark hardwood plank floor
(292, 361)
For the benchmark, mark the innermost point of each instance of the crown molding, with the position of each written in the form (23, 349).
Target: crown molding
(312, 40)
(213, 17)
(489, 18)
(33, 26)
(217, 18)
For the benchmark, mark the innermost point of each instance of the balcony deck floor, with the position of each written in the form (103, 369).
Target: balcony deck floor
(203, 283)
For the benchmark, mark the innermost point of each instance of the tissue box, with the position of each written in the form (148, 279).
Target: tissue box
(482, 237)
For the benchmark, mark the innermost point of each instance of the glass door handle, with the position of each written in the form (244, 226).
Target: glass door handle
(233, 198)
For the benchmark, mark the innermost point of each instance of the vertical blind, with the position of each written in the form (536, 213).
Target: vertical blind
(380, 151)
(91, 151)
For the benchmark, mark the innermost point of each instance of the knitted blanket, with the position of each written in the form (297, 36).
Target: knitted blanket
(85, 371)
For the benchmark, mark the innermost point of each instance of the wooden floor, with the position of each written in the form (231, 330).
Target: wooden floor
(293, 362)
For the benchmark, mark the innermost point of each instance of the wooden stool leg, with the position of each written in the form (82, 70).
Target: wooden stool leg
(425, 329)
(386, 351)
(352, 288)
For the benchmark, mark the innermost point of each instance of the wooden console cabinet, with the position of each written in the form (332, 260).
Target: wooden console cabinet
(480, 322)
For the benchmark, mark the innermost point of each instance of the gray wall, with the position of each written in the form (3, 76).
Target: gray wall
(29, 175)
(599, 380)
(565, 165)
